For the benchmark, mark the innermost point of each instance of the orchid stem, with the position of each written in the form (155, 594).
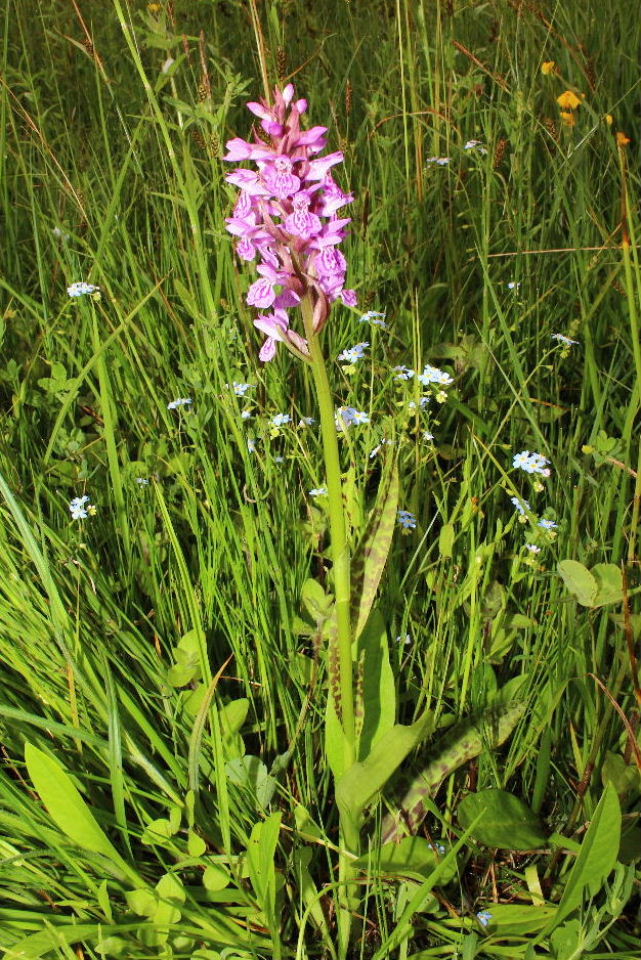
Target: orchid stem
(340, 553)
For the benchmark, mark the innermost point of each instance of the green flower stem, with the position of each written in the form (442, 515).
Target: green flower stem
(338, 533)
(348, 900)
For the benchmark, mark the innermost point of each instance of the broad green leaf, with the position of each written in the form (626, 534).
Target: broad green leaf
(371, 555)
(158, 832)
(597, 858)
(215, 878)
(67, 808)
(446, 540)
(459, 745)
(515, 919)
(378, 701)
(625, 777)
(505, 821)
(334, 740)
(364, 779)
(413, 857)
(317, 603)
(251, 774)
(579, 581)
(609, 581)
(262, 872)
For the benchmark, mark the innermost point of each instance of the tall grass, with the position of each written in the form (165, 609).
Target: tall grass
(156, 649)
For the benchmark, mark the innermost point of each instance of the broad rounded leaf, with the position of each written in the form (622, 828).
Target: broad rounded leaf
(506, 821)
(579, 581)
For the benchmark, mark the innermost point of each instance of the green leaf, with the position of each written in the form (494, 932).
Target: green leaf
(157, 832)
(371, 555)
(597, 858)
(215, 878)
(413, 857)
(378, 701)
(334, 740)
(251, 774)
(518, 920)
(364, 779)
(446, 540)
(38, 944)
(262, 872)
(67, 808)
(317, 603)
(579, 581)
(460, 744)
(609, 580)
(506, 821)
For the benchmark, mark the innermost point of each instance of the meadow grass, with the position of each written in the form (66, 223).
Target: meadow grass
(158, 650)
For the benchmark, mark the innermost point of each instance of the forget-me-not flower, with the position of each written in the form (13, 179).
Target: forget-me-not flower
(531, 463)
(548, 524)
(484, 917)
(318, 492)
(80, 508)
(403, 373)
(376, 319)
(434, 375)
(353, 354)
(281, 419)
(81, 288)
(567, 341)
(521, 505)
(406, 519)
(180, 402)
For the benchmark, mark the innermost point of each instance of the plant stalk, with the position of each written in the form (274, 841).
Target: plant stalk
(340, 552)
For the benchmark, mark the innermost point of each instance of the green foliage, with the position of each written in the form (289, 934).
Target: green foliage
(163, 696)
(502, 820)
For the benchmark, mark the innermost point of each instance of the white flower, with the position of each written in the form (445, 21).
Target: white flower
(403, 373)
(439, 161)
(167, 65)
(318, 492)
(513, 285)
(180, 402)
(548, 524)
(60, 235)
(240, 389)
(521, 505)
(566, 340)
(245, 415)
(404, 639)
(81, 288)
(251, 445)
(142, 481)
(532, 547)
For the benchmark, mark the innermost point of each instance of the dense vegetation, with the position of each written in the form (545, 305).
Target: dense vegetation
(166, 788)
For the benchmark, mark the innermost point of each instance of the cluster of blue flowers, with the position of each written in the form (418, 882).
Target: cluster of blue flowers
(353, 354)
(531, 463)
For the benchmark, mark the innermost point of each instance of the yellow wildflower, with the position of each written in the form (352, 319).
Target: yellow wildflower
(609, 119)
(154, 7)
(548, 67)
(622, 140)
(568, 118)
(568, 100)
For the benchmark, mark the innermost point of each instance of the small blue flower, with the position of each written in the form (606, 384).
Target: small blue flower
(531, 463)
(251, 445)
(81, 288)
(521, 505)
(403, 373)
(281, 419)
(376, 319)
(548, 524)
(353, 354)
(142, 481)
(532, 547)
(484, 917)
(318, 492)
(427, 436)
(406, 519)
(279, 459)
(240, 389)
(565, 340)
(306, 421)
(475, 145)
(439, 161)
(80, 508)
(423, 402)
(434, 375)
(347, 416)
(245, 415)
(513, 285)
(180, 402)
(405, 639)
